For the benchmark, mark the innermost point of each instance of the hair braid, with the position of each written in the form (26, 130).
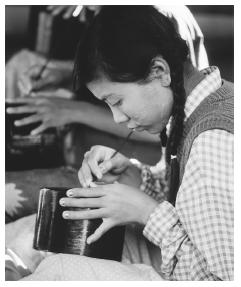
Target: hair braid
(178, 114)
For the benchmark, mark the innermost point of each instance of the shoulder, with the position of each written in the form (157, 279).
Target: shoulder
(212, 154)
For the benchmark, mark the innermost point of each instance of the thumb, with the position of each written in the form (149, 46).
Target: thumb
(117, 164)
(103, 228)
(106, 166)
(40, 83)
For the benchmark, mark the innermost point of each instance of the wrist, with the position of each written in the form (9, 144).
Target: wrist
(147, 210)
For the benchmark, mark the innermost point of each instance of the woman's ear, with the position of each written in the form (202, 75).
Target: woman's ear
(160, 70)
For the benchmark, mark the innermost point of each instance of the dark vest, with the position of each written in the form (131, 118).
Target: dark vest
(215, 112)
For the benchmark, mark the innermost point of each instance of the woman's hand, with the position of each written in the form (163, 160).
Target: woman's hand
(56, 73)
(50, 111)
(99, 162)
(116, 204)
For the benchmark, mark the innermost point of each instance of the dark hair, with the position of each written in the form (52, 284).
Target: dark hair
(122, 42)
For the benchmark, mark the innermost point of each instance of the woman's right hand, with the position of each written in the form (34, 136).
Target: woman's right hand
(98, 162)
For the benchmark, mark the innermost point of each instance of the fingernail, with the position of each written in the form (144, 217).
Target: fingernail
(69, 193)
(88, 241)
(9, 110)
(16, 123)
(33, 133)
(99, 175)
(62, 202)
(65, 214)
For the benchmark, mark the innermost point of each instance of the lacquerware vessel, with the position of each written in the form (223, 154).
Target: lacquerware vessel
(55, 234)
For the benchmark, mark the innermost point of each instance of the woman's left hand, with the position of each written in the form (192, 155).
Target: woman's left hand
(51, 111)
(116, 204)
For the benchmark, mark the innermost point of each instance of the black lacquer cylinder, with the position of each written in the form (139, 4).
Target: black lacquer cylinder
(55, 234)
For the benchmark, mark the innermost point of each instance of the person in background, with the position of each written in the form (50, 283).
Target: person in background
(51, 98)
(133, 59)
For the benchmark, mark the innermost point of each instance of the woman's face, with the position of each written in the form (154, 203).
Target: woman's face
(139, 106)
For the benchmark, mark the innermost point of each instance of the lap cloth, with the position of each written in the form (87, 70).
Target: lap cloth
(140, 262)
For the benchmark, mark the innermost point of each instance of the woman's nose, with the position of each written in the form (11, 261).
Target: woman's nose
(119, 117)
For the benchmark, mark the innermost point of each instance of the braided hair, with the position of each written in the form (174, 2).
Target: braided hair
(122, 42)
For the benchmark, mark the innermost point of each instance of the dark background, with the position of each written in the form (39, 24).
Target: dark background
(215, 21)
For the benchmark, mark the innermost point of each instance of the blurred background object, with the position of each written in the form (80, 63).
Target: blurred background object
(23, 29)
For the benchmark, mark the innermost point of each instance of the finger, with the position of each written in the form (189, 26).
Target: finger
(86, 192)
(83, 214)
(22, 109)
(86, 154)
(69, 12)
(86, 173)
(34, 71)
(77, 10)
(40, 83)
(57, 10)
(106, 166)
(109, 178)
(24, 100)
(97, 155)
(94, 167)
(82, 202)
(117, 164)
(28, 120)
(39, 129)
(92, 184)
(27, 80)
(23, 88)
(50, 7)
(82, 15)
(81, 178)
(103, 228)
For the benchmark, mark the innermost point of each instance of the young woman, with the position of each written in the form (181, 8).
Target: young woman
(133, 59)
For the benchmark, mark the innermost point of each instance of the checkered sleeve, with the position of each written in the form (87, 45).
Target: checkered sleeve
(154, 181)
(196, 236)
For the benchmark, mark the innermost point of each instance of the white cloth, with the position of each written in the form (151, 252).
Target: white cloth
(139, 257)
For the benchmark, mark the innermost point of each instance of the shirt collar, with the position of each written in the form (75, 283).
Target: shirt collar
(210, 82)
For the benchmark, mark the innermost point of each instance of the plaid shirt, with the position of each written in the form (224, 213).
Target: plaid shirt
(196, 236)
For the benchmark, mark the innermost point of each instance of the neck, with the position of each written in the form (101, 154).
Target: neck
(192, 77)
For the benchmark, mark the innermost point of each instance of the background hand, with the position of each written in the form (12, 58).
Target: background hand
(54, 111)
(56, 74)
(68, 11)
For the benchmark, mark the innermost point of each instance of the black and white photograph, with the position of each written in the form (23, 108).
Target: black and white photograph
(119, 142)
